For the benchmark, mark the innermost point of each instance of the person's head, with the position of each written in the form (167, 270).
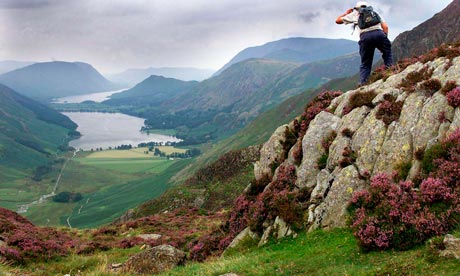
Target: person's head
(361, 4)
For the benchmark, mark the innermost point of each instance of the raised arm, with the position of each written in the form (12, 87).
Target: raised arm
(339, 19)
(384, 27)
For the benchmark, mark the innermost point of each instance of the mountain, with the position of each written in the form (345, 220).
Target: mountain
(10, 65)
(30, 132)
(131, 77)
(297, 49)
(441, 28)
(152, 91)
(56, 79)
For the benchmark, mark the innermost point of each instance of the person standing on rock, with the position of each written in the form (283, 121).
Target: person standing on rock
(373, 31)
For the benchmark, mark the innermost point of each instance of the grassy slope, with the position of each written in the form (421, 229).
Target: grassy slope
(109, 186)
(259, 130)
(323, 253)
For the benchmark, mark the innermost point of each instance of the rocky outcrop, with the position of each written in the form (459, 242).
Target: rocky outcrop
(363, 146)
(452, 247)
(155, 260)
(441, 28)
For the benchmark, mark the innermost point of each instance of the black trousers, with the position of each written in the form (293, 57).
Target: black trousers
(369, 41)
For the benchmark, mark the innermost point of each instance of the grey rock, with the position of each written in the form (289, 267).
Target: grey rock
(452, 245)
(333, 213)
(396, 150)
(321, 127)
(243, 235)
(266, 235)
(367, 142)
(428, 124)
(155, 260)
(271, 152)
(150, 236)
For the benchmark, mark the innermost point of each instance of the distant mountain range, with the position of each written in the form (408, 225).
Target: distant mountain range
(10, 65)
(297, 49)
(443, 27)
(152, 91)
(133, 76)
(56, 79)
(29, 133)
(223, 104)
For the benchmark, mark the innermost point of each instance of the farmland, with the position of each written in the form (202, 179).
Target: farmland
(111, 182)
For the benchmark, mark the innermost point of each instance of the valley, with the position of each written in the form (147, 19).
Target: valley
(277, 163)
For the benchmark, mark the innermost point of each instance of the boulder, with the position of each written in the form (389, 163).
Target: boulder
(428, 124)
(243, 235)
(149, 236)
(155, 260)
(271, 153)
(452, 245)
(367, 142)
(334, 210)
(396, 150)
(320, 128)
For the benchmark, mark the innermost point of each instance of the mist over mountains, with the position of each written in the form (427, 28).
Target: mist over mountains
(132, 77)
(297, 49)
(49, 80)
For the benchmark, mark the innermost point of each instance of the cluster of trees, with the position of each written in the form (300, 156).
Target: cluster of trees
(188, 153)
(65, 197)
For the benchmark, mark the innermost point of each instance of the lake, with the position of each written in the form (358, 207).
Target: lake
(95, 97)
(110, 130)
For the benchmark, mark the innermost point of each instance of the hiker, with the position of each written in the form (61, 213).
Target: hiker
(373, 31)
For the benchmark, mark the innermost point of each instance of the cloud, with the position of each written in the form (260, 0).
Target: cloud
(309, 16)
(117, 34)
(23, 4)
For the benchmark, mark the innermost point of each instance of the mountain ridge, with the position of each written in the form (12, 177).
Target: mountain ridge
(48, 80)
(295, 49)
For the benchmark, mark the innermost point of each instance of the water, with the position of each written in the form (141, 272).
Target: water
(104, 130)
(95, 97)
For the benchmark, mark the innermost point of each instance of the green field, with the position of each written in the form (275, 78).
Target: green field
(111, 182)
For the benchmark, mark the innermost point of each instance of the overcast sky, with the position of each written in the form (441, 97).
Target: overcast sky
(114, 35)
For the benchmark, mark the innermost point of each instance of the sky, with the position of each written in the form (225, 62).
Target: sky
(114, 35)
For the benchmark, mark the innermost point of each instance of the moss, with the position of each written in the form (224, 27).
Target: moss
(403, 169)
(322, 161)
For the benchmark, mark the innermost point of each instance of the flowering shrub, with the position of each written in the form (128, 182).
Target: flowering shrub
(397, 215)
(453, 97)
(27, 242)
(409, 83)
(450, 85)
(431, 86)
(360, 99)
(389, 110)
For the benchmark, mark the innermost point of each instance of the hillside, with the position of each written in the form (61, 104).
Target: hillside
(297, 49)
(30, 132)
(152, 91)
(49, 80)
(132, 77)
(305, 176)
(441, 28)
(10, 65)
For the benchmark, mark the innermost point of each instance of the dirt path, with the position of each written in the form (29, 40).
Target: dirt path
(24, 208)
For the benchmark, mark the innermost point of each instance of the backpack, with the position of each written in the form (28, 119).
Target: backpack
(368, 18)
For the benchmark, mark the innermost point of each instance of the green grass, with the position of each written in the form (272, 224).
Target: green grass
(110, 186)
(323, 253)
(320, 252)
(110, 202)
(130, 165)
